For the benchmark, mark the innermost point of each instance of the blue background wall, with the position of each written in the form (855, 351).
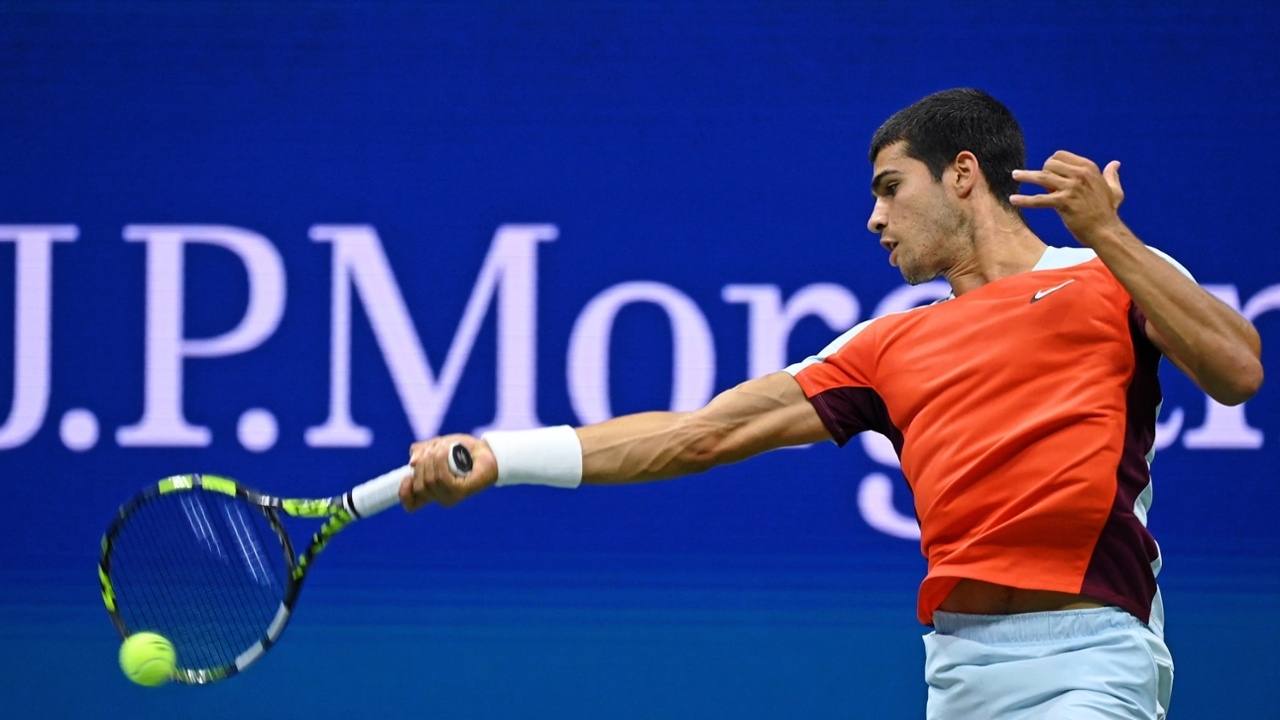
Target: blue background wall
(693, 145)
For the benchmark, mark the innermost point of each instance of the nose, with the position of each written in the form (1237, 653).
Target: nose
(877, 222)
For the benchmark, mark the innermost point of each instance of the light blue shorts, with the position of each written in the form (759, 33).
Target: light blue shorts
(1078, 664)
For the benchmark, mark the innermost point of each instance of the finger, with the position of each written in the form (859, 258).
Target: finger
(418, 483)
(1050, 180)
(435, 482)
(420, 451)
(408, 498)
(456, 487)
(1112, 174)
(1069, 158)
(1043, 200)
(1073, 167)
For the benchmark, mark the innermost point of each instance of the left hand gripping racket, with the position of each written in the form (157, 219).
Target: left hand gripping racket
(207, 563)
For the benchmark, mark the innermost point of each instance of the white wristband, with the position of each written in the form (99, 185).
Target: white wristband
(545, 456)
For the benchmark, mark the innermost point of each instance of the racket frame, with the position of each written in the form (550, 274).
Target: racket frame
(338, 512)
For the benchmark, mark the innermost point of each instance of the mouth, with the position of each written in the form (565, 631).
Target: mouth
(892, 247)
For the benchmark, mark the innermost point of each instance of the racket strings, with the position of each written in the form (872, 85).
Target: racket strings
(208, 638)
(162, 600)
(204, 569)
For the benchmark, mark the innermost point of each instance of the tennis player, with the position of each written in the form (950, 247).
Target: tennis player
(1023, 409)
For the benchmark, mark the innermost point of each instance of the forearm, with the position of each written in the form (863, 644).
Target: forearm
(1218, 348)
(754, 417)
(642, 447)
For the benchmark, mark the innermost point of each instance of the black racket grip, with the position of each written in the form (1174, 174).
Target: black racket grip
(459, 460)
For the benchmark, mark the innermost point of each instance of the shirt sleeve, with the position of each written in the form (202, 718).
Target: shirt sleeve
(1177, 265)
(839, 382)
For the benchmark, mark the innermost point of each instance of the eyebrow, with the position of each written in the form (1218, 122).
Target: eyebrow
(878, 180)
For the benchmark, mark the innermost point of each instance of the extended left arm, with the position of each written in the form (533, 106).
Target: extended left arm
(1208, 340)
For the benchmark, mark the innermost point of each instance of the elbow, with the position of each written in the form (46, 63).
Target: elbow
(1249, 382)
(701, 444)
(1241, 384)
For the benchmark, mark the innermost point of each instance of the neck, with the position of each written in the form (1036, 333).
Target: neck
(1002, 246)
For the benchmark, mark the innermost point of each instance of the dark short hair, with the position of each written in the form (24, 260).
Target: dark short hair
(942, 125)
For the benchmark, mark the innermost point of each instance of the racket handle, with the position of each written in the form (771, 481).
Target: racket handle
(459, 460)
(378, 494)
(382, 492)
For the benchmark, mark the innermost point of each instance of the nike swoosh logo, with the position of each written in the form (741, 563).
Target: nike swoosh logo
(1041, 294)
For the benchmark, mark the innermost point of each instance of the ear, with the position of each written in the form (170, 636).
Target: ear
(967, 174)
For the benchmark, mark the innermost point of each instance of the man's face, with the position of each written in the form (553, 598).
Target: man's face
(916, 219)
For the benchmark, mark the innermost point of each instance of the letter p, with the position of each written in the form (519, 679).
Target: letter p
(163, 422)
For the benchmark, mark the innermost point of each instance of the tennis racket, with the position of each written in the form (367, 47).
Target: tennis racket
(207, 563)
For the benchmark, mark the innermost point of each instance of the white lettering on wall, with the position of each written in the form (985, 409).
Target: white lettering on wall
(875, 492)
(1227, 427)
(770, 321)
(32, 326)
(163, 423)
(507, 285)
(693, 351)
(509, 273)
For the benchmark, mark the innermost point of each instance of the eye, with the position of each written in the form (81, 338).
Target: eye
(891, 189)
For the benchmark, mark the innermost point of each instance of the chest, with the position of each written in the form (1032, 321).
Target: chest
(1006, 347)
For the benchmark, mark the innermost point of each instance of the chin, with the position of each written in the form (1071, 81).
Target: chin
(916, 277)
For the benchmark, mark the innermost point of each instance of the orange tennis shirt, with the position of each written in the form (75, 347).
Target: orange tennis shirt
(1024, 414)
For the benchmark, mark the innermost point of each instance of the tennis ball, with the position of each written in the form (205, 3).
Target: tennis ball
(147, 659)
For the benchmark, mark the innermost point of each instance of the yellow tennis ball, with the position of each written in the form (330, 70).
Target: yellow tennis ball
(147, 659)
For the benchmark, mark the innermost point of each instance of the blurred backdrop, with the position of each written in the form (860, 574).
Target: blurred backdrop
(280, 241)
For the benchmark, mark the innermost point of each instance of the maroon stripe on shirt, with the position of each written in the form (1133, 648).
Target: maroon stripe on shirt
(847, 411)
(1120, 570)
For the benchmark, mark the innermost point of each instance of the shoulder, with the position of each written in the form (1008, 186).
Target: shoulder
(1172, 262)
(863, 334)
(832, 348)
(1057, 258)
